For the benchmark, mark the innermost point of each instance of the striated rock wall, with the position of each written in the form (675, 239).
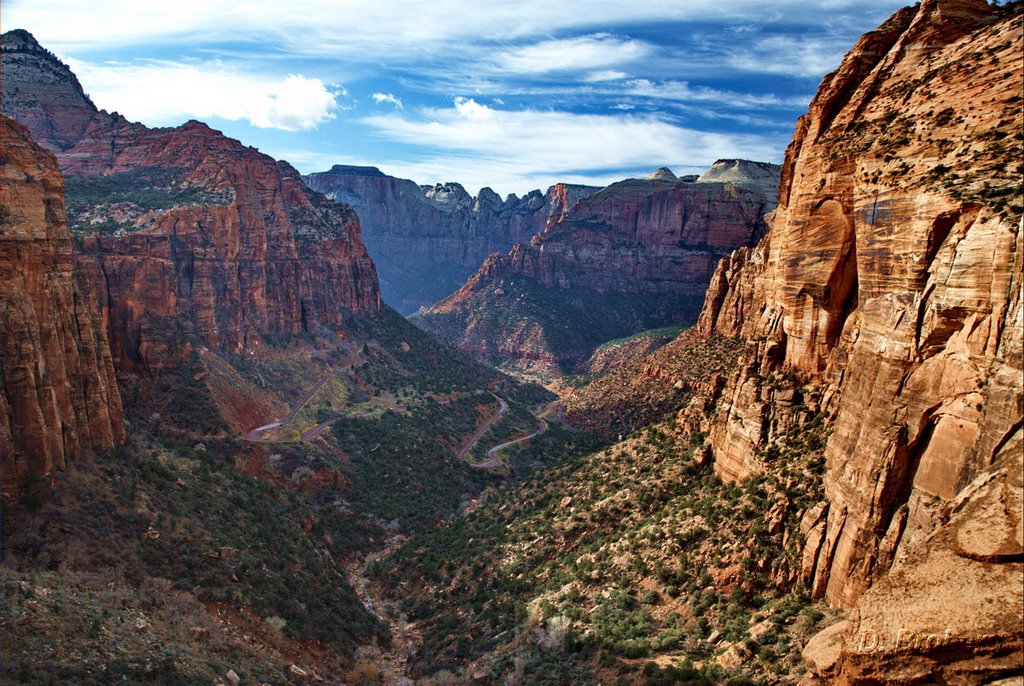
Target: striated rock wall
(890, 283)
(951, 612)
(429, 239)
(209, 241)
(58, 394)
(273, 258)
(635, 255)
(653, 235)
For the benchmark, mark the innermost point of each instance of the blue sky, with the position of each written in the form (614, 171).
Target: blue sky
(511, 95)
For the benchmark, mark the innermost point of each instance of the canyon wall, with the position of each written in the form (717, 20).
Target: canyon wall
(58, 394)
(634, 255)
(184, 234)
(890, 286)
(427, 240)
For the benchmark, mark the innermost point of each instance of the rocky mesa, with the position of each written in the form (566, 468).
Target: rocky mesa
(58, 395)
(635, 255)
(184, 234)
(889, 287)
(427, 240)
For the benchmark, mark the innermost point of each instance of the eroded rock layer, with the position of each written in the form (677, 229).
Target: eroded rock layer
(890, 285)
(635, 255)
(427, 240)
(185, 234)
(58, 394)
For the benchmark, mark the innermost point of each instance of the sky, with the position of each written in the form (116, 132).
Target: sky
(512, 95)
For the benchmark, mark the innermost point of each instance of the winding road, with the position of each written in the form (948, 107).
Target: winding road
(317, 429)
(255, 436)
(502, 409)
(492, 459)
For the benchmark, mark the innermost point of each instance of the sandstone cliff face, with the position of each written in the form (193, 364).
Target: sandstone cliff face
(58, 394)
(428, 239)
(651, 235)
(890, 285)
(271, 258)
(186, 235)
(951, 612)
(635, 255)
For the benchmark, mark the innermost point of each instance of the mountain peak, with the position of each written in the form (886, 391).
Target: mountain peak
(746, 173)
(41, 92)
(662, 173)
(20, 37)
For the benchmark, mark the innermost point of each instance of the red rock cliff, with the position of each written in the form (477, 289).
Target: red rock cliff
(654, 235)
(257, 253)
(890, 283)
(58, 395)
(636, 254)
(187, 234)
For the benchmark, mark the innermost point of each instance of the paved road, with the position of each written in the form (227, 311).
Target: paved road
(255, 436)
(317, 429)
(494, 461)
(502, 408)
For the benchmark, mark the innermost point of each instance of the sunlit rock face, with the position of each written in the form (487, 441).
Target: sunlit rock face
(890, 284)
(634, 255)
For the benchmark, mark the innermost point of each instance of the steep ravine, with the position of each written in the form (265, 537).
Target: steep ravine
(427, 240)
(391, 663)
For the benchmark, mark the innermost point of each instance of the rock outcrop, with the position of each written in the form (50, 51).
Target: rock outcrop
(636, 255)
(890, 286)
(42, 93)
(931, 619)
(427, 240)
(58, 394)
(186, 235)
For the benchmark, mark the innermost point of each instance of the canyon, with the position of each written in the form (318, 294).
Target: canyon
(427, 240)
(635, 255)
(854, 378)
(811, 474)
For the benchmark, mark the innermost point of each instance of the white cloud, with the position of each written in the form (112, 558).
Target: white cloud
(471, 110)
(398, 28)
(515, 150)
(788, 55)
(581, 53)
(606, 75)
(157, 92)
(388, 97)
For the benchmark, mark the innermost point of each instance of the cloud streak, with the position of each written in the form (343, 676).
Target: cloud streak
(513, 95)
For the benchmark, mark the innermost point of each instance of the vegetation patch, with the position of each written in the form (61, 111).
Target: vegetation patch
(108, 203)
(601, 563)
